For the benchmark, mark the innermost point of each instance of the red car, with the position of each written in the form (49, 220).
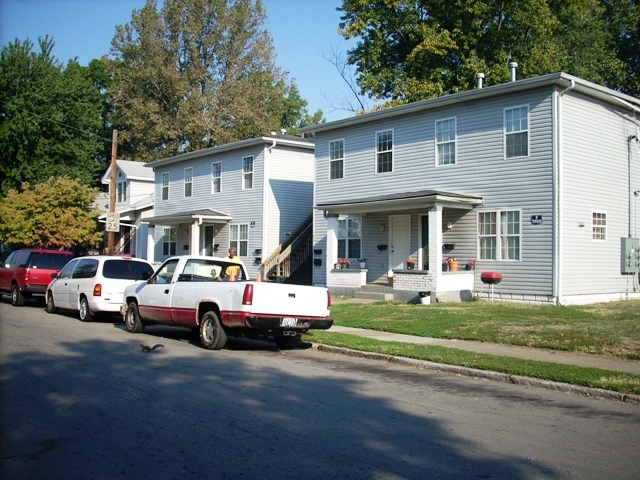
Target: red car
(27, 272)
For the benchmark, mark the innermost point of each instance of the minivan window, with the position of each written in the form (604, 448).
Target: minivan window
(66, 271)
(87, 268)
(51, 261)
(125, 269)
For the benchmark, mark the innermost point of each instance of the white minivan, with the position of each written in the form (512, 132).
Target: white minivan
(94, 284)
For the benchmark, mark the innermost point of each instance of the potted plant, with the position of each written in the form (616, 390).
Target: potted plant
(425, 297)
(362, 262)
(453, 264)
(445, 265)
(471, 264)
(344, 263)
(411, 263)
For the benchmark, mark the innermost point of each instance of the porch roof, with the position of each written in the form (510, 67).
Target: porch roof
(401, 201)
(205, 216)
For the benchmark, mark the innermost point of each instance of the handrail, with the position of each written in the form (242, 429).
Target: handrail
(290, 254)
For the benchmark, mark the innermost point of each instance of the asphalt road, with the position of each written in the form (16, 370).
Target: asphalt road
(80, 401)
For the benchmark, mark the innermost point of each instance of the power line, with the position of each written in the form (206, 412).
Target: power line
(55, 121)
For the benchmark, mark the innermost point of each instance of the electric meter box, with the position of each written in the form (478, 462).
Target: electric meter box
(630, 252)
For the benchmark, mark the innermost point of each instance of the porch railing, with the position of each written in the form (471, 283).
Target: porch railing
(290, 254)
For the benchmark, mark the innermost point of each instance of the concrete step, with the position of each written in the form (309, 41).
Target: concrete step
(373, 295)
(377, 288)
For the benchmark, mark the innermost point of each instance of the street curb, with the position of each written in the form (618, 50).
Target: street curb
(484, 374)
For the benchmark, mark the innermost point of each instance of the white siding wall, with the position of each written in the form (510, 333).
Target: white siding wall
(521, 184)
(595, 178)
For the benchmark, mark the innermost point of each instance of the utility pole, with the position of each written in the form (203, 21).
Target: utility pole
(112, 188)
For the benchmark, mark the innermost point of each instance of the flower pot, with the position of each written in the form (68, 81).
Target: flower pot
(469, 267)
(453, 265)
(362, 265)
(425, 297)
(445, 267)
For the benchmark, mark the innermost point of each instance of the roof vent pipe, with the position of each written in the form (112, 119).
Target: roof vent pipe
(479, 76)
(513, 66)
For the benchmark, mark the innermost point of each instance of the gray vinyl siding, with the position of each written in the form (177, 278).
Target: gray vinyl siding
(290, 194)
(524, 184)
(595, 178)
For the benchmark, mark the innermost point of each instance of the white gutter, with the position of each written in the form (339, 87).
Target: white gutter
(558, 186)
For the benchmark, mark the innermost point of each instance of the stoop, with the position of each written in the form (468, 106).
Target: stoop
(375, 292)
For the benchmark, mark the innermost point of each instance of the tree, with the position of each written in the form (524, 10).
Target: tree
(50, 118)
(53, 214)
(412, 50)
(193, 74)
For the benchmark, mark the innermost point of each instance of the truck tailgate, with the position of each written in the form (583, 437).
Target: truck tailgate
(289, 300)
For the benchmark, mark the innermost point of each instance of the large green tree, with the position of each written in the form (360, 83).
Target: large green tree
(56, 213)
(412, 50)
(196, 73)
(50, 117)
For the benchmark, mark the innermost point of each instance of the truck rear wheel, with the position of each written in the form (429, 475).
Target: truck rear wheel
(132, 319)
(212, 335)
(17, 299)
(288, 343)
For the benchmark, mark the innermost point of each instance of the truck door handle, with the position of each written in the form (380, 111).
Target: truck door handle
(166, 291)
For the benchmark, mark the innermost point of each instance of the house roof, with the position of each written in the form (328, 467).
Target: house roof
(560, 79)
(205, 216)
(401, 201)
(133, 171)
(286, 140)
(127, 211)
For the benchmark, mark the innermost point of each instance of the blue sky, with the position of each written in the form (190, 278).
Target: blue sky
(301, 30)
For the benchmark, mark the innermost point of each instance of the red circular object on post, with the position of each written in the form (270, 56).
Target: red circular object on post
(491, 277)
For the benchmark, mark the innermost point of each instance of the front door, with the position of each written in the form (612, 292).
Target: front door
(400, 241)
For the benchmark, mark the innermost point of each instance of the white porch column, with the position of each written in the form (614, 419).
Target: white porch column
(194, 247)
(435, 241)
(332, 242)
(151, 245)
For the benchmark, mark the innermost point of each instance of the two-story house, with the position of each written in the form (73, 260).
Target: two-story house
(255, 195)
(535, 181)
(135, 185)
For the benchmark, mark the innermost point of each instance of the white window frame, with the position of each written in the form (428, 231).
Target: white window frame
(496, 236)
(188, 182)
(169, 240)
(247, 174)
(510, 129)
(444, 143)
(384, 152)
(349, 229)
(164, 187)
(239, 238)
(598, 226)
(334, 160)
(216, 177)
(122, 191)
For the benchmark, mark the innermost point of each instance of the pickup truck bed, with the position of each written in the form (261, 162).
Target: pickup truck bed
(211, 295)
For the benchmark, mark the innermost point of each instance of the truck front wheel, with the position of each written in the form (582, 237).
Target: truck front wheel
(212, 335)
(132, 319)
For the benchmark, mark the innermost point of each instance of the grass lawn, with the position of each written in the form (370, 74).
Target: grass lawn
(607, 329)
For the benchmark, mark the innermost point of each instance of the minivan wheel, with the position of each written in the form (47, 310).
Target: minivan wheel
(51, 306)
(17, 299)
(85, 312)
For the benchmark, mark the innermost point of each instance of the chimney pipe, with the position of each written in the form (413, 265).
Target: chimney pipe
(479, 76)
(513, 66)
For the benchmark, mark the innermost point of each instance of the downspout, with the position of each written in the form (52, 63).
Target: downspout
(558, 188)
(629, 139)
(265, 206)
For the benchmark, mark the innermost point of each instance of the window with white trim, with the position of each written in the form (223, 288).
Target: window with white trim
(188, 182)
(350, 237)
(499, 235)
(169, 241)
(384, 151)
(336, 159)
(247, 173)
(239, 238)
(122, 192)
(446, 141)
(516, 132)
(165, 186)
(598, 226)
(216, 177)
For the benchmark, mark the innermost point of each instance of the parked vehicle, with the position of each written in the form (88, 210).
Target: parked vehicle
(27, 272)
(214, 297)
(94, 284)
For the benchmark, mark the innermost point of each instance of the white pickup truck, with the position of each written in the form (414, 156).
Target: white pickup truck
(214, 297)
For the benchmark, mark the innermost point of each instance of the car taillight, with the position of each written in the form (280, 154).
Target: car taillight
(247, 296)
(328, 300)
(97, 290)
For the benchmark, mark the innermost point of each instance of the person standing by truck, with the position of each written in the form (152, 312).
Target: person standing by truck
(233, 270)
